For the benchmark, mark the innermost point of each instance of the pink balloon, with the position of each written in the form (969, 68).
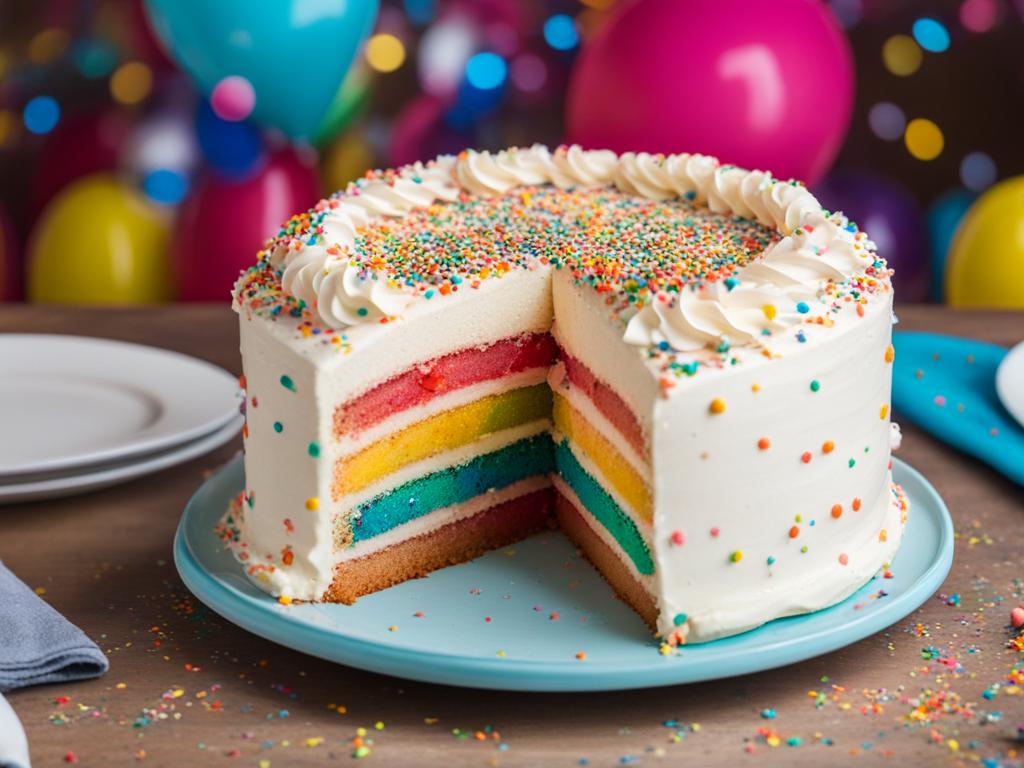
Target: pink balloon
(764, 85)
(222, 224)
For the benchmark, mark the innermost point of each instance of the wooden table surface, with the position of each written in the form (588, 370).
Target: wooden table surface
(186, 687)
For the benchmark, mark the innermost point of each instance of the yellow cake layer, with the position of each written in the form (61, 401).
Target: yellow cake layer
(615, 470)
(443, 432)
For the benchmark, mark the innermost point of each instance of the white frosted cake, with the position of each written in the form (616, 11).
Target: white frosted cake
(683, 365)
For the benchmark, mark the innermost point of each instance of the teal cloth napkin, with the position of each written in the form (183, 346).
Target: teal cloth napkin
(946, 385)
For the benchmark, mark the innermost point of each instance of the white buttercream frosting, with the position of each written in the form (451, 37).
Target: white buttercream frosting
(816, 247)
(798, 292)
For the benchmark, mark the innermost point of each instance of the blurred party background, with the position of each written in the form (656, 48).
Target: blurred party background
(147, 149)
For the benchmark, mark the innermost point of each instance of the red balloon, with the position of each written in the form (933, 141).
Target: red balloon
(223, 223)
(11, 286)
(146, 43)
(765, 85)
(79, 145)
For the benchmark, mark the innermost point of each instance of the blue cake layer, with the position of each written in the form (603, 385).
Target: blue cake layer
(453, 485)
(518, 461)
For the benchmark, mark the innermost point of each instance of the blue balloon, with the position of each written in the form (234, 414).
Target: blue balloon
(233, 149)
(294, 53)
(942, 219)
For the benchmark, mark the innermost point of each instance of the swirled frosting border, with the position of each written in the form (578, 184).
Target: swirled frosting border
(766, 294)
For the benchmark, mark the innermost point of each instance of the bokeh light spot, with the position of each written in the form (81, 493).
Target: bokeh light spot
(931, 35)
(901, 55)
(165, 186)
(924, 139)
(233, 98)
(978, 171)
(529, 72)
(131, 83)
(560, 32)
(420, 11)
(887, 121)
(978, 15)
(94, 58)
(486, 71)
(8, 127)
(385, 53)
(48, 45)
(346, 160)
(442, 53)
(41, 114)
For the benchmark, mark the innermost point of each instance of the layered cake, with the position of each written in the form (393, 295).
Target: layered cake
(683, 365)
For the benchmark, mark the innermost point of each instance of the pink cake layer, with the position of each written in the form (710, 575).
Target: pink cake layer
(606, 401)
(444, 374)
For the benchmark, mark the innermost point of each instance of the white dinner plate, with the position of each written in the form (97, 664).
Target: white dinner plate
(1010, 382)
(118, 472)
(67, 402)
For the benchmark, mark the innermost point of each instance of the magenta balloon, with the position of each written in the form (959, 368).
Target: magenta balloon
(891, 217)
(420, 132)
(223, 224)
(765, 85)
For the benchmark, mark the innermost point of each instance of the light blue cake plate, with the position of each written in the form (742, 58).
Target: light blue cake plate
(488, 623)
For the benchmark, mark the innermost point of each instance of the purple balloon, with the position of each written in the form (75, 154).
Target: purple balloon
(891, 217)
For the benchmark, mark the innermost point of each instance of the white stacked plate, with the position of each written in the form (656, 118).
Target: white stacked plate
(79, 413)
(1010, 382)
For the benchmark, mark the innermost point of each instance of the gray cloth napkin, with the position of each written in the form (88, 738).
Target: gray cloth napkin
(37, 644)
(13, 746)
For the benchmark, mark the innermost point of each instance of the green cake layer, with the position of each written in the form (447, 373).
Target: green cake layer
(603, 508)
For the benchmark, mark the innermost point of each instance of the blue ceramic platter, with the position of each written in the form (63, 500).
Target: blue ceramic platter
(520, 647)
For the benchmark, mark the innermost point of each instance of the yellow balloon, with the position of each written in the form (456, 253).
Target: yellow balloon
(100, 242)
(985, 267)
(347, 159)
